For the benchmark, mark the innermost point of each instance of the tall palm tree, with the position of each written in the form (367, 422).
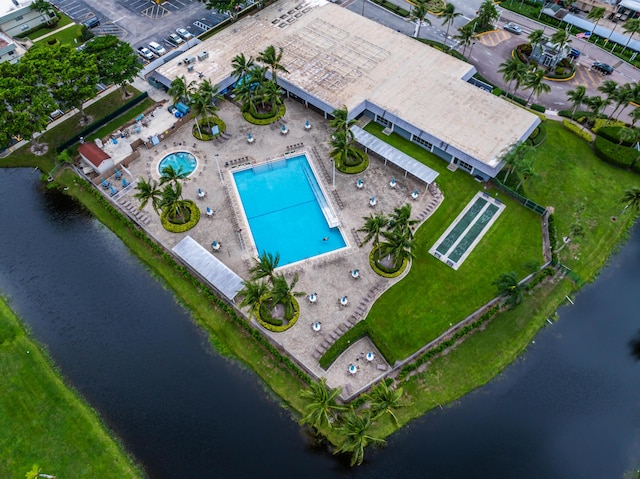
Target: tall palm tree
(354, 429)
(245, 94)
(147, 190)
(622, 98)
(631, 198)
(487, 13)
(265, 266)
(597, 14)
(516, 155)
(513, 70)
(508, 285)
(171, 175)
(373, 227)
(419, 14)
(342, 150)
(560, 39)
(384, 400)
(173, 203)
(596, 104)
(466, 35)
(401, 221)
(179, 89)
(398, 246)
(210, 92)
(253, 293)
(322, 408)
(631, 26)
(448, 16)
(271, 94)
(535, 81)
(609, 88)
(273, 59)
(282, 292)
(577, 97)
(241, 66)
(635, 115)
(525, 170)
(535, 38)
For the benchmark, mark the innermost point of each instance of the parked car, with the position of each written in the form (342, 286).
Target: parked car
(145, 53)
(175, 39)
(602, 68)
(156, 48)
(513, 28)
(184, 34)
(91, 22)
(574, 53)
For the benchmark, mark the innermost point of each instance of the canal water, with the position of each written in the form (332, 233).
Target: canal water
(569, 408)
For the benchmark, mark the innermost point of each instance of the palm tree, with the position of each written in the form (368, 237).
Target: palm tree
(609, 88)
(373, 226)
(535, 38)
(323, 406)
(466, 35)
(487, 14)
(398, 246)
(596, 104)
(419, 14)
(253, 293)
(384, 400)
(265, 266)
(631, 26)
(596, 13)
(631, 198)
(179, 89)
(623, 96)
(342, 150)
(273, 59)
(534, 80)
(354, 430)
(173, 203)
(635, 115)
(560, 38)
(171, 175)
(577, 97)
(525, 170)
(271, 94)
(516, 155)
(245, 94)
(147, 190)
(508, 285)
(282, 293)
(241, 66)
(448, 16)
(401, 220)
(513, 70)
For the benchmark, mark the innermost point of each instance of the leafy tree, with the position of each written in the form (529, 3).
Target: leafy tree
(282, 292)
(272, 58)
(513, 70)
(253, 294)
(147, 190)
(419, 14)
(355, 429)
(180, 89)
(596, 104)
(516, 155)
(622, 98)
(322, 408)
(508, 285)
(173, 203)
(577, 97)
(398, 246)
(560, 39)
(265, 266)
(241, 66)
(448, 16)
(116, 60)
(487, 14)
(341, 122)
(466, 35)
(384, 400)
(609, 88)
(631, 198)
(343, 151)
(536, 37)
(373, 227)
(597, 14)
(525, 170)
(635, 115)
(225, 7)
(631, 26)
(535, 81)
(400, 220)
(170, 175)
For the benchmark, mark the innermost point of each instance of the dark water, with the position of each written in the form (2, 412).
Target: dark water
(570, 408)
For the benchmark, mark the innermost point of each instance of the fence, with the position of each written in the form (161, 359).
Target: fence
(532, 205)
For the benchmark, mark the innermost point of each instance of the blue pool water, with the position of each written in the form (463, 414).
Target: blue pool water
(283, 211)
(181, 161)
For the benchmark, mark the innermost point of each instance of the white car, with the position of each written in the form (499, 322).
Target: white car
(157, 48)
(175, 39)
(185, 34)
(145, 53)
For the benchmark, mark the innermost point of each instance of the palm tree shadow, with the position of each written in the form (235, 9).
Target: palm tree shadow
(634, 345)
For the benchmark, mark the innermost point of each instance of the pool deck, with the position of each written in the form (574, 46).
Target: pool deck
(328, 275)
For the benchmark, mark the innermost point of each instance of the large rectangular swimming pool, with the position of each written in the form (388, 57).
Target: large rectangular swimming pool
(287, 211)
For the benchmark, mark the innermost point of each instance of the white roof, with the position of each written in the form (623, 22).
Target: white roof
(344, 59)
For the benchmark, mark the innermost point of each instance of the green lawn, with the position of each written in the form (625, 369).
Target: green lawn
(433, 295)
(569, 176)
(69, 36)
(43, 422)
(64, 20)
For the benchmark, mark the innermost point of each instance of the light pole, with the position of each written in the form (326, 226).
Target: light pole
(471, 49)
(363, 2)
(333, 176)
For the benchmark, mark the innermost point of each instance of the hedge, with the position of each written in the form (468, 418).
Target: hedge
(263, 121)
(275, 325)
(612, 133)
(602, 122)
(207, 293)
(539, 277)
(383, 271)
(208, 121)
(392, 7)
(516, 99)
(539, 135)
(572, 127)
(538, 108)
(194, 217)
(613, 153)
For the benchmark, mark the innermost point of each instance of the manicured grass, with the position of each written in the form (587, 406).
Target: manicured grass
(570, 178)
(45, 423)
(64, 20)
(69, 36)
(433, 296)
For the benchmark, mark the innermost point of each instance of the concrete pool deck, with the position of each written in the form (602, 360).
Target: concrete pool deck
(328, 275)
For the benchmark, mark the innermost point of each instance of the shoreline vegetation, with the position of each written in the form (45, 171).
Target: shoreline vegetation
(44, 422)
(564, 162)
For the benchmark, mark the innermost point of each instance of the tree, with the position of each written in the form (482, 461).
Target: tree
(228, 7)
(516, 155)
(536, 37)
(631, 198)
(508, 285)
(609, 88)
(419, 14)
(173, 204)
(373, 227)
(635, 115)
(180, 90)
(631, 26)
(596, 104)
(147, 190)
(400, 220)
(354, 429)
(273, 59)
(384, 400)
(253, 293)
(341, 122)
(560, 39)
(265, 266)
(487, 14)
(398, 246)
(597, 14)
(525, 170)
(513, 70)
(577, 97)
(466, 35)
(282, 292)
(535, 81)
(448, 16)
(322, 407)
(241, 66)
(170, 175)
(116, 60)
(342, 150)
(622, 98)
(630, 135)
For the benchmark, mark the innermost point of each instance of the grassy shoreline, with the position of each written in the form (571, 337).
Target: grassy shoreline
(65, 435)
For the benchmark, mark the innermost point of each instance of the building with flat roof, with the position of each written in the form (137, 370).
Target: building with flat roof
(16, 17)
(336, 57)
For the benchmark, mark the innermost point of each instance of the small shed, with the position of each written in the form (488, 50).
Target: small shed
(95, 157)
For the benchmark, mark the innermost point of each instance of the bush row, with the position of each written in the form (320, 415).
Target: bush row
(194, 217)
(612, 133)
(263, 121)
(210, 296)
(613, 153)
(431, 353)
(573, 128)
(539, 135)
(392, 7)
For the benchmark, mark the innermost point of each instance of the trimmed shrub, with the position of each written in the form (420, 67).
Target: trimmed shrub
(516, 99)
(209, 121)
(572, 127)
(383, 271)
(539, 135)
(611, 133)
(601, 122)
(194, 217)
(276, 325)
(263, 121)
(539, 108)
(614, 154)
(553, 238)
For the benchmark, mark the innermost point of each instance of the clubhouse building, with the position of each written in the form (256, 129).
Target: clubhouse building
(336, 57)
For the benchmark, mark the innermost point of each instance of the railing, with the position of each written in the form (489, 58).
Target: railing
(330, 216)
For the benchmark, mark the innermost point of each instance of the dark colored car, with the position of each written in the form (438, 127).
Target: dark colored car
(513, 28)
(602, 68)
(92, 22)
(574, 53)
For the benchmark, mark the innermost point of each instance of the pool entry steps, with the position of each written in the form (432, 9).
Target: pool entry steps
(464, 233)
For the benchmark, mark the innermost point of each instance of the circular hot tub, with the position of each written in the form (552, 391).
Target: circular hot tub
(181, 161)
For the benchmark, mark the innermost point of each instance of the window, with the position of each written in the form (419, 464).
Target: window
(422, 142)
(19, 18)
(24, 27)
(382, 121)
(464, 165)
